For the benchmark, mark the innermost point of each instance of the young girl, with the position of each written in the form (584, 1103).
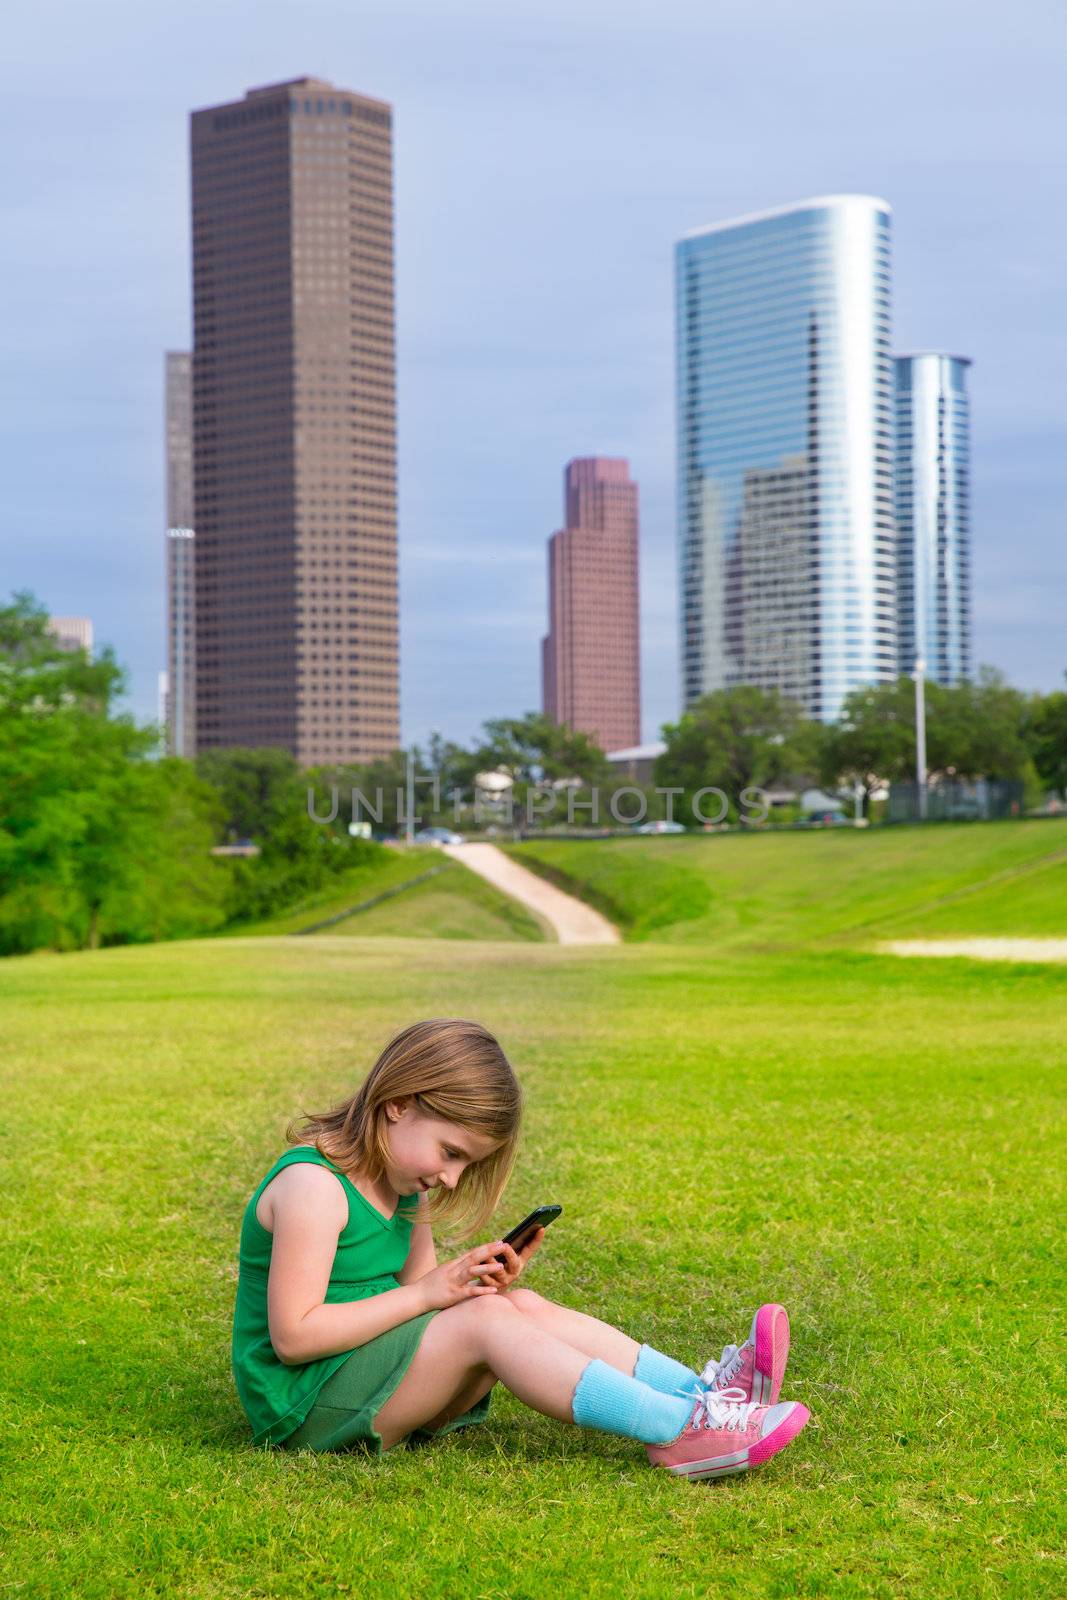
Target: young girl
(347, 1329)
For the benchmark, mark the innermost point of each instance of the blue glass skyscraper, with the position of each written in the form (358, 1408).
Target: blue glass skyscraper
(933, 513)
(785, 452)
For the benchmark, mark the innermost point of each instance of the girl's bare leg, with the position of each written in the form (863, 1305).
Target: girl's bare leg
(585, 1333)
(464, 1400)
(467, 1343)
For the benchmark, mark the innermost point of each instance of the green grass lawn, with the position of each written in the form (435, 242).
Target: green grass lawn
(454, 904)
(842, 886)
(877, 1143)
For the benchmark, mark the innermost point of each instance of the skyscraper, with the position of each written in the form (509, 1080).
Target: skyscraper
(179, 697)
(933, 514)
(785, 452)
(590, 657)
(294, 423)
(73, 633)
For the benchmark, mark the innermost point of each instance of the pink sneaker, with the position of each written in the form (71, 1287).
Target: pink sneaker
(725, 1435)
(758, 1367)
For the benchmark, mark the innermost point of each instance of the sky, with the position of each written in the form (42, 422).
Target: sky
(548, 156)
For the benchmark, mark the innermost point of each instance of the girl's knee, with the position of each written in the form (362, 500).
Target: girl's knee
(524, 1299)
(470, 1323)
(492, 1305)
(478, 1309)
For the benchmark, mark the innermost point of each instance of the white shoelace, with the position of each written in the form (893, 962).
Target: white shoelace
(727, 1408)
(727, 1364)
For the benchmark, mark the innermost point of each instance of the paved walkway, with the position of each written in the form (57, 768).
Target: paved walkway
(573, 921)
(980, 949)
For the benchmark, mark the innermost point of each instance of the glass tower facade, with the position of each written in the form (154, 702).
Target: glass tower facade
(933, 513)
(787, 563)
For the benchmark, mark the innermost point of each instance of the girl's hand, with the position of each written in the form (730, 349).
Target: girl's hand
(457, 1280)
(516, 1263)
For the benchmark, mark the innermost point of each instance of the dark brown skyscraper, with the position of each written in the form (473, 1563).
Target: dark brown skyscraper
(590, 657)
(294, 423)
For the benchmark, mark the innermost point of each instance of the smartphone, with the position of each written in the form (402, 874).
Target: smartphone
(520, 1236)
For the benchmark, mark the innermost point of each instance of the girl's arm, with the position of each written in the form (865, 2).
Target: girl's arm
(309, 1210)
(422, 1257)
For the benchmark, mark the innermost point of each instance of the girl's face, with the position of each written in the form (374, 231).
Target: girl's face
(426, 1151)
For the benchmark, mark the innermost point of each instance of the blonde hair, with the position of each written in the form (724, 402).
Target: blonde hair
(453, 1069)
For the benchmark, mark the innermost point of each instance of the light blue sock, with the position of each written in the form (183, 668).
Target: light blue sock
(663, 1372)
(607, 1399)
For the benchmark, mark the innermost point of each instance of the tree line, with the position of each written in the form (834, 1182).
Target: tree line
(104, 841)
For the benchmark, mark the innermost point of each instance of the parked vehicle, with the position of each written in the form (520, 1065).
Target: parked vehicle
(828, 819)
(660, 827)
(438, 836)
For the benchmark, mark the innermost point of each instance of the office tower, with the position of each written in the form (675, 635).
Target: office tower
(590, 657)
(774, 578)
(785, 452)
(179, 703)
(294, 423)
(73, 633)
(933, 514)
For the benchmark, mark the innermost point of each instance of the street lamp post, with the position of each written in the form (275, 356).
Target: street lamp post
(410, 819)
(920, 735)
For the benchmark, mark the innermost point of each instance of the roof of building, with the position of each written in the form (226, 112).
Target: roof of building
(945, 355)
(871, 200)
(638, 752)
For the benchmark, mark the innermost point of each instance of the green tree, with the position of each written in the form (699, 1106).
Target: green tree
(169, 886)
(976, 728)
(1045, 734)
(381, 783)
(454, 768)
(87, 822)
(263, 796)
(254, 786)
(873, 740)
(733, 740)
(536, 751)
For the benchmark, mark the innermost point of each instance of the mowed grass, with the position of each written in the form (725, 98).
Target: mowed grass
(876, 1143)
(455, 904)
(833, 887)
(452, 904)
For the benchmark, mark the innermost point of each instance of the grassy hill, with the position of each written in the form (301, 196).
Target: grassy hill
(830, 887)
(875, 1143)
(454, 903)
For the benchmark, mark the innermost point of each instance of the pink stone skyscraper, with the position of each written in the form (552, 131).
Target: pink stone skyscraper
(590, 657)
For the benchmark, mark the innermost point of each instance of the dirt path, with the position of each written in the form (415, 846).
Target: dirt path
(980, 949)
(573, 921)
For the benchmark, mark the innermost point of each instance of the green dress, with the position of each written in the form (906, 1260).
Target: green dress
(330, 1403)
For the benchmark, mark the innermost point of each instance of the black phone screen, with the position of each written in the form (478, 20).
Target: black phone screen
(520, 1236)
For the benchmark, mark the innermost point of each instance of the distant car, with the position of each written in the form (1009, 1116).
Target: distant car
(438, 836)
(828, 819)
(660, 827)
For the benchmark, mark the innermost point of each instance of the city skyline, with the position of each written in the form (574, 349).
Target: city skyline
(510, 311)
